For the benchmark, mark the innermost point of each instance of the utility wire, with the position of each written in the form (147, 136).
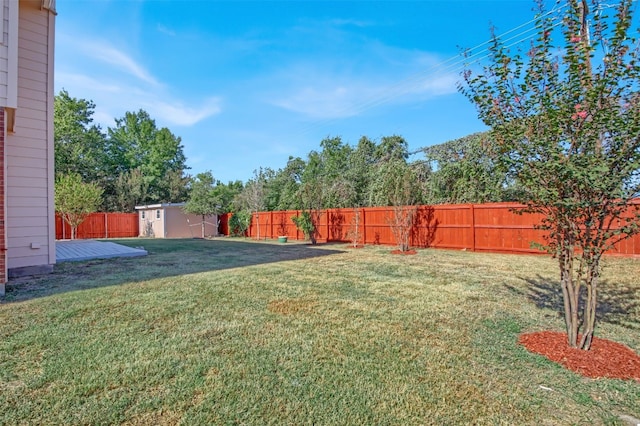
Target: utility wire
(453, 63)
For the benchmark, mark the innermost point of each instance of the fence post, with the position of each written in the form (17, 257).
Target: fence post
(473, 228)
(326, 213)
(363, 224)
(271, 218)
(106, 226)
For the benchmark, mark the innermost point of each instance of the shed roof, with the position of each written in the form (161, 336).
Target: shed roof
(159, 206)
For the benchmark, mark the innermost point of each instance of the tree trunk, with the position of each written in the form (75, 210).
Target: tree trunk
(202, 227)
(570, 294)
(571, 282)
(589, 315)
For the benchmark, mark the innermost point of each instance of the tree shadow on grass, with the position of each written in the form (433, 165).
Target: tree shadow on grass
(166, 258)
(616, 304)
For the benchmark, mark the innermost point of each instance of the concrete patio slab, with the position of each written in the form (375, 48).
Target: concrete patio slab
(77, 250)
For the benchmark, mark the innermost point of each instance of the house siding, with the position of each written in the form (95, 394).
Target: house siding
(3, 206)
(29, 149)
(4, 52)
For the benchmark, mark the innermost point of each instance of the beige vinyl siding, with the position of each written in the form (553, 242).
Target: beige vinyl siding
(8, 52)
(19, 172)
(29, 149)
(4, 51)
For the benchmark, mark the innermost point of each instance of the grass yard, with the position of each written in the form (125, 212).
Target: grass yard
(237, 332)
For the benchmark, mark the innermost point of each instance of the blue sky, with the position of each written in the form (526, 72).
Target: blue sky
(246, 84)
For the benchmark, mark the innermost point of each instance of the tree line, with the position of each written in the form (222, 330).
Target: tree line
(135, 163)
(374, 173)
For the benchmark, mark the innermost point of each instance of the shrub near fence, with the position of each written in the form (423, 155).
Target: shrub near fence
(492, 227)
(101, 225)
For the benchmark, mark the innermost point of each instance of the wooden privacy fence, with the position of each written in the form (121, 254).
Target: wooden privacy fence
(492, 227)
(101, 225)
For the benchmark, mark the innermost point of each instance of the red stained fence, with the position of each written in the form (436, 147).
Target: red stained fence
(492, 227)
(101, 225)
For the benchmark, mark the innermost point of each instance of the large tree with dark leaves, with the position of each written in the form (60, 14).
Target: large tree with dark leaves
(137, 145)
(79, 143)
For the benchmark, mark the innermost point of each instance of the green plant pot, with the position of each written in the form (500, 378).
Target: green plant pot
(282, 239)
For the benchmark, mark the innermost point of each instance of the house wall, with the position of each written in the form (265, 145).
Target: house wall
(29, 149)
(3, 207)
(8, 52)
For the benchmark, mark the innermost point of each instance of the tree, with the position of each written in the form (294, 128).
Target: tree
(396, 185)
(75, 199)
(203, 198)
(355, 234)
(334, 157)
(312, 195)
(136, 143)
(282, 188)
(392, 148)
(129, 190)
(176, 186)
(568, 130)
(465, 170)
(240, 222)
(252, 197)
(307, 225)
(360, 171)
(79, 144)
(226, 193)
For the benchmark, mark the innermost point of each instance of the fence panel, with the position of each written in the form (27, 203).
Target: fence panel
(492, 227)
(101, 225)
(122, 225)
(450, 226)
(499, 229)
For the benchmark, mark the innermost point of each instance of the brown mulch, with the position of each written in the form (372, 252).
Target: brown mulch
(404, 252)
(604, 359)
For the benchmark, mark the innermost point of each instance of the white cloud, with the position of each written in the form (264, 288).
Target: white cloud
(330, 94)
(165, 30)
(350, 22)
(113, 99)
(116, 83)
(181, 115)
(118, 59)
(345, 74)
(322, 102)
(64, 80)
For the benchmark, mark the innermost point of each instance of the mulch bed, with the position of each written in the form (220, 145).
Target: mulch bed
(404, 252)
(604, 359)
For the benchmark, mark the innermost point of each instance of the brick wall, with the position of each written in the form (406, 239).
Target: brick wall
(3, 209)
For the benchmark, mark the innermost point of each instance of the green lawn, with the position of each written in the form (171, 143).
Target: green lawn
(238, 332)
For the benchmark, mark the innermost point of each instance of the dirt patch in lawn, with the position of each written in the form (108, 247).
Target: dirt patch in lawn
(604, 359)
(291, 306)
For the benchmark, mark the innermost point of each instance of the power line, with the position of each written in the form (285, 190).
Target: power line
(402, 87)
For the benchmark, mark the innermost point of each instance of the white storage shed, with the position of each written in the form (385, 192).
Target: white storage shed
(169, 220)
